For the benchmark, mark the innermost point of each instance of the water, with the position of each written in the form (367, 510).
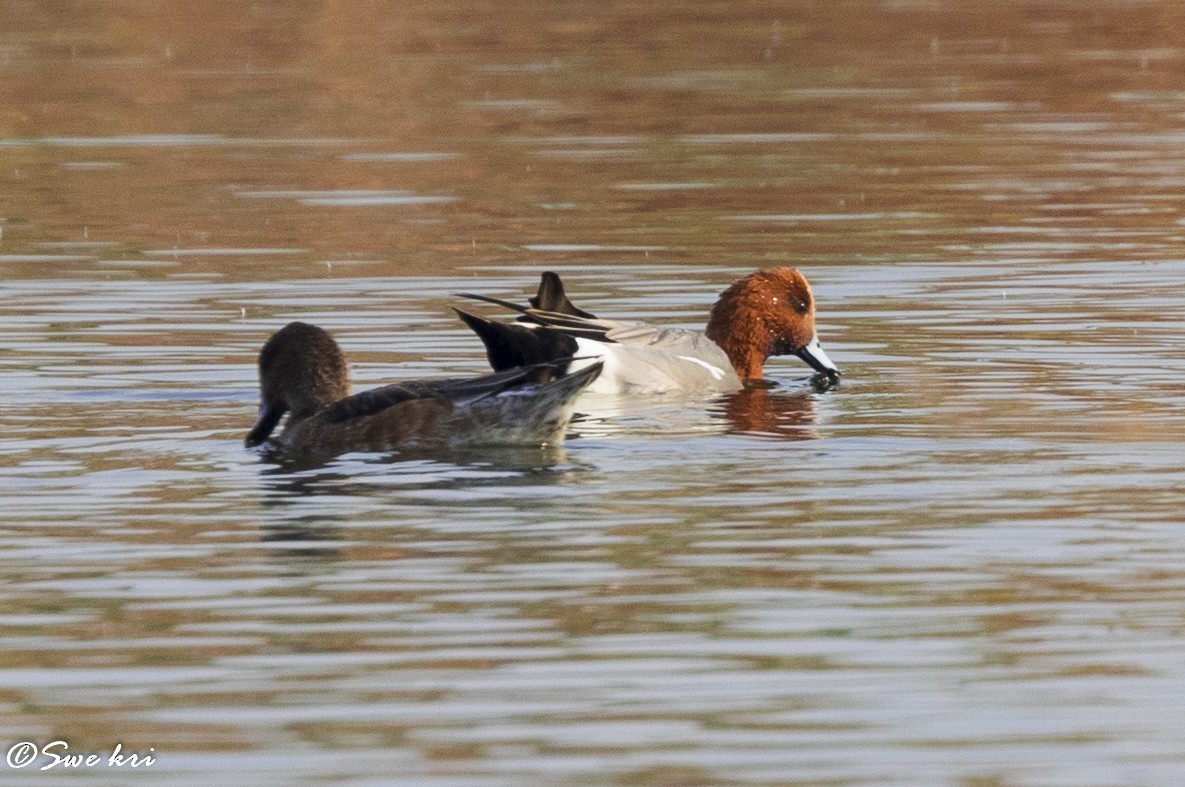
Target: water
(961, 566)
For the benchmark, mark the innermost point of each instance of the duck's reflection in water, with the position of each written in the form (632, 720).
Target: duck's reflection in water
(287, 479)
(764, 408)
(659, 417)
(312, 538)
(770, 412)
(308, 501)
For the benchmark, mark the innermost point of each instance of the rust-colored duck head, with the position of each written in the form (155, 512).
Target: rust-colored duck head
(770, 312)
(301, 370)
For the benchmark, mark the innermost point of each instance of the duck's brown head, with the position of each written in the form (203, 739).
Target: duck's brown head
(301, 370)
(771, 312)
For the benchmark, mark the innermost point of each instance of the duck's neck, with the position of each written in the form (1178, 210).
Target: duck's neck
(746, 343)
(736, 325)
(748, 361)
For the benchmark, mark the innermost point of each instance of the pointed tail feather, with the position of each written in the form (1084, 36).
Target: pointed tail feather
(552, 298)
(514, 307)
(573, 383)
(552, 379)
(509, 345)
(570, 320)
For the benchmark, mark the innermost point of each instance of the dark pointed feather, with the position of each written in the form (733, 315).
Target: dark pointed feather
(496, 301)
(581, 327)
(552, 298)
(510, 344)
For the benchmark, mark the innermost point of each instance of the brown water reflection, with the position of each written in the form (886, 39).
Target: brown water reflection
(960, 566)
(766, 412)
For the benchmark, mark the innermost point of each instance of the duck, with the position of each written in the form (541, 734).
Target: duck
(303, 373)
(766, 313)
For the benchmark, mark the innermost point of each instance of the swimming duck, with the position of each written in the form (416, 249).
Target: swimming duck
(770, 312)
(303, 373)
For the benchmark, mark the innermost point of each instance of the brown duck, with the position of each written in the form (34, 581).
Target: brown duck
(302, 373)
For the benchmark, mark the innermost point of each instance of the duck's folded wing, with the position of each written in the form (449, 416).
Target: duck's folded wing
(571, 324)
(463, 389)
(674, 340)
(472, 388)
(577, 327)
(676, 356)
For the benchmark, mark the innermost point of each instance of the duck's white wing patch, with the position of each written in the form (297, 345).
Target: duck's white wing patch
(716, 372)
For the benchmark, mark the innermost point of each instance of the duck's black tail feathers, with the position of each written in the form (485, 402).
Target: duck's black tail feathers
(552, 298)
(509, 345)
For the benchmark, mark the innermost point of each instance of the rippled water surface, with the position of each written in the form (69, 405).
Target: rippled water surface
(963, 565)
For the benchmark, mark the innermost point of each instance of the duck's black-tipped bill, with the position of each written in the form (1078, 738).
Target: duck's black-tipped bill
(814, 356)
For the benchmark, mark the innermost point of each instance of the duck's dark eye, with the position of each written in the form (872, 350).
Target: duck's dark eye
(801, 306)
